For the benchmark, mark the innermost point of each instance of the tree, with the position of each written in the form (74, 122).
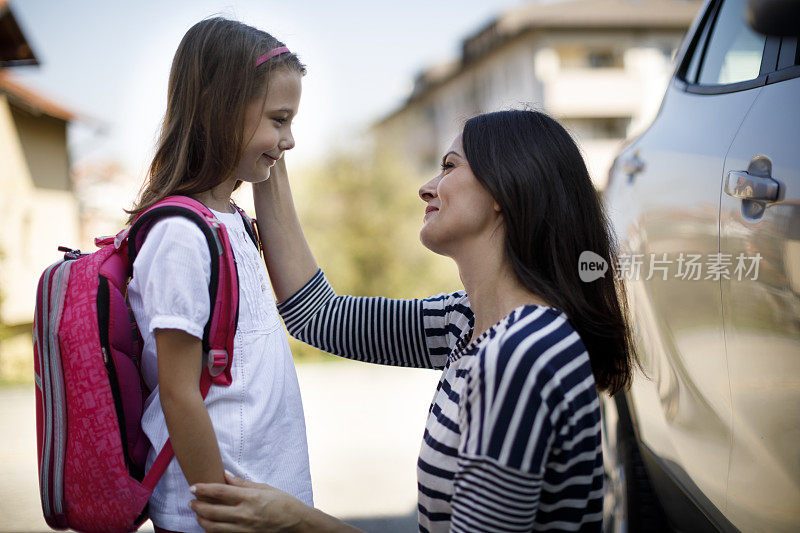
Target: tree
(362, 216)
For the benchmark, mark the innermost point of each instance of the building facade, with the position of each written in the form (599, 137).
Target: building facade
(598, 66)
(40, 210)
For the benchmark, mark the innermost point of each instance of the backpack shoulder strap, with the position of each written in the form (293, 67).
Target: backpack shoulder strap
(223, 295)
(250, 226)
(223, 288)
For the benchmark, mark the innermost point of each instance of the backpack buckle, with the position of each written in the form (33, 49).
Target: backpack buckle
(103, 241)
(217, 362)
(121, 237)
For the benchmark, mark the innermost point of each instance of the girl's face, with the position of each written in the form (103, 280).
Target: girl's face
(268, 126)
(459, 208)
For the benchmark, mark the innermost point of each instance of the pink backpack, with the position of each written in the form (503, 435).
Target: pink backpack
(89, 390)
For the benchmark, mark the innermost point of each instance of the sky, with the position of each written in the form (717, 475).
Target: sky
(109, 62)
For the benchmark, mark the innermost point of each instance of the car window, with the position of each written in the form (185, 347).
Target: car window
(700, 46)
(734, 51)
(789, 53)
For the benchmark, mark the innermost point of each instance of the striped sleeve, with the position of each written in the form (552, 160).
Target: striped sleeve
(409, 333)
(515, 405)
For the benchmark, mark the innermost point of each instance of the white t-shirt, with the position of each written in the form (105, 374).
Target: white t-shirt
(258, 419)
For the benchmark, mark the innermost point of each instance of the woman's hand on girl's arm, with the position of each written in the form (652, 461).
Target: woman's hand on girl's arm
(252, 507)
(180, 363)
(286, 252)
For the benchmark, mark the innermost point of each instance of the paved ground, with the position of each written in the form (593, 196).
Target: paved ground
(364, 422)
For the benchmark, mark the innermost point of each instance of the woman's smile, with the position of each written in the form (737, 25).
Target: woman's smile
(429, 210)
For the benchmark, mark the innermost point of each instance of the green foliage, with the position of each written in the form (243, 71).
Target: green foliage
(2, 276)
(362, 216)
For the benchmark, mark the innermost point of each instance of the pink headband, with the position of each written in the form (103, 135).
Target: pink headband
(272, 53)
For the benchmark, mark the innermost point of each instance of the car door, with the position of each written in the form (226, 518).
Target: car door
(664, 203)
(760, 238)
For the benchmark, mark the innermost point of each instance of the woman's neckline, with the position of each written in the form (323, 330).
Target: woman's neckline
(464, 347)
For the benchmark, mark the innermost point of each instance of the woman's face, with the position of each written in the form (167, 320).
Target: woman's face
(460, 210)
(268, 126)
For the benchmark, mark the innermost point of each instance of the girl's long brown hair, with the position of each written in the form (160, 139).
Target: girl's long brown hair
(212, 79)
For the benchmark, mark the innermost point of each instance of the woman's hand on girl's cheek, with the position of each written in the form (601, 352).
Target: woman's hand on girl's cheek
(244, 506)
(278, 170)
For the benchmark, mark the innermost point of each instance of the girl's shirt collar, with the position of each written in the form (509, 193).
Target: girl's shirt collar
(224, 214)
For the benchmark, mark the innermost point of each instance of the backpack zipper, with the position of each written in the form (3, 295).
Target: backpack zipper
(103, 311)
(55, 422)
(47, 418)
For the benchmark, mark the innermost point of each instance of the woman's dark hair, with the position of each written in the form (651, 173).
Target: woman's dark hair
(213, 78)
(551, 213)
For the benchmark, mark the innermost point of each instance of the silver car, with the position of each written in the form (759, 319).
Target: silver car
(706, 206)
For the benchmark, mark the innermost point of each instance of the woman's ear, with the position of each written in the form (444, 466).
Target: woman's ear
(496, 207)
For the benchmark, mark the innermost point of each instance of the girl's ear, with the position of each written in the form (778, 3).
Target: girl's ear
(497, 207)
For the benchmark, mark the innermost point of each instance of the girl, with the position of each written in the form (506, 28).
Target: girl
(233, 92)
(512, 441)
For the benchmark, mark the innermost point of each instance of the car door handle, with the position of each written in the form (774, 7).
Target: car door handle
(749, 187)
(633, 165)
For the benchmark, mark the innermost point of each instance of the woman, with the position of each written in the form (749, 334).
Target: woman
(512, 440)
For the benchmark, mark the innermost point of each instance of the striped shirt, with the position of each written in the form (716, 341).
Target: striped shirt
(512, 440)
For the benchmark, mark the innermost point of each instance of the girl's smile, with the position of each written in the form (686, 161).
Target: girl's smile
(268, 126)
(268, 134)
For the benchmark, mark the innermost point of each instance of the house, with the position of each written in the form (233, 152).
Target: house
(40, 210)
(598, 66)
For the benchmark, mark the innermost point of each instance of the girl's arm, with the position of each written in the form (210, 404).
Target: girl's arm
(411, 333)
(180, 363)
